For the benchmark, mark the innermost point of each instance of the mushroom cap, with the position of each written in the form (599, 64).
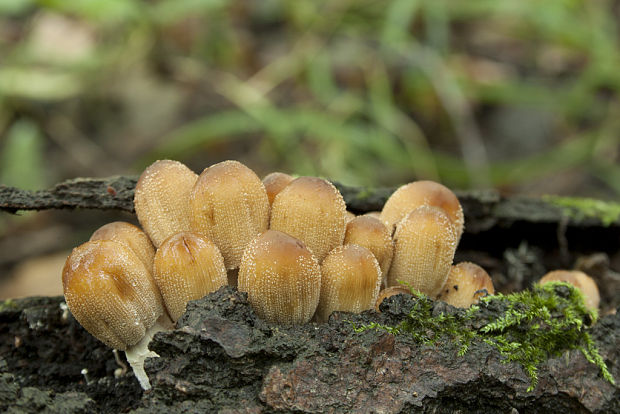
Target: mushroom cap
(466, 284)
(424, 247)
(111, 293)
(229, 205)
(274, 183)
(282, 278)
(371, 233)
(312, 210)
(423, 193)
(580, 280)
(351, 278)
(161, 199)
(187, 266)
(131, 235)
(389, 292)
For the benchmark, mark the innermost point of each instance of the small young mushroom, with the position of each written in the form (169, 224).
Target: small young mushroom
(131, 235)
(312, 210)
(389, 292)
(274, 183)
(580, 280)
(466, 284)
(161, 199)
(281, 277)
(112, 295)
(424, 247)
(350, 282)
(229, 205)
(423, 193)
(187, 266)
(371, 233)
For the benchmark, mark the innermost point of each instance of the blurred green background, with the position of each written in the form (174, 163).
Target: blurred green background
(521, 96)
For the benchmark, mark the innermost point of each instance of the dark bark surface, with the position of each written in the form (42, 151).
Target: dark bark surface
(223, 358)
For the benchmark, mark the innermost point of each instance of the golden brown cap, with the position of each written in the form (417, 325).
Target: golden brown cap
(111, 293)
(229, 205)
(389, 292)
(131, 235)
(422, 193)
(161, 199)
(350, 281)
(580, 280)
(371, 233)
(424, 247)
(274, 183)
(312, 210)
(282, 278)
(466, 284)
(187, 266)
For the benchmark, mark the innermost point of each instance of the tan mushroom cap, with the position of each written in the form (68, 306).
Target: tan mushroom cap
(282, 278)
(111, 293)
(187, 266)
(424, 247)
(371, 233)
(161, 199)
(423, 193)
(312, 210)
(389, 292)
(229, 205)
(466, 284)
(131, 235)
(580, 280)
(351, 278)
(274, 183)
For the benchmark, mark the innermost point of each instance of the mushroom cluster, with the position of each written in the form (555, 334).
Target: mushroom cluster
(290, 243)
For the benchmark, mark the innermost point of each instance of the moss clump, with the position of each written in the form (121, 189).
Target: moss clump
(533, 325)
(8, 304)
(580, 208)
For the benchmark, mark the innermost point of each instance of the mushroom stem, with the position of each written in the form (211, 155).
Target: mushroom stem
(138, 353)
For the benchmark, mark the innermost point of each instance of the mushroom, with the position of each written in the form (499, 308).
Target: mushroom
(112, 295)
(161, 199)
(424, 247)
(229, 205)
(389, 292)
(281, 277)
(187, 266)
(422, 193)
(130, 235)
(274, 183)
(312, 210)
(466, 283)
(371, 233)
(350, 282)
(580, 280)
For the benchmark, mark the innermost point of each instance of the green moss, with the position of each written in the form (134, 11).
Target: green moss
(533, 326)
(8, 304)
(580, 208)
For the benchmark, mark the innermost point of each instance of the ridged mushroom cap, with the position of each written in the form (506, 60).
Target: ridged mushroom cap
(422, 193)
(161, 199)
(424, 247)
(282, 278)
(466, 284)
(389, 292)
(580, 280)
(131, 235)
(312, 210)
(187, 266)
(229, 205)
(274, 183)
(371, 233)
(350, 281)
(111, 293)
